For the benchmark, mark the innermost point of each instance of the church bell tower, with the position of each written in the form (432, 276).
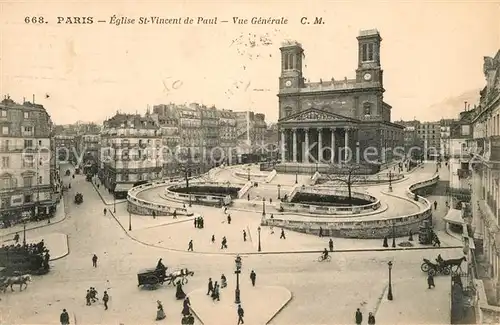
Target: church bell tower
(291, 66)
(369, 68)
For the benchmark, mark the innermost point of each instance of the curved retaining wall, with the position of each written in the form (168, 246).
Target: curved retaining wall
(198, 198)
(145, 207)
(333, 210)
(366, 228)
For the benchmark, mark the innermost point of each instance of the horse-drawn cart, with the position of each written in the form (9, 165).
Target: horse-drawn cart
(150, 277)
(153, 277)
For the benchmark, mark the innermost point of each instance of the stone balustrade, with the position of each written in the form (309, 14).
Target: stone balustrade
(271, 175)
(357, 228)
(244, 189)
(145, 207)
(244, 174)
(332, 210)
(200, 198)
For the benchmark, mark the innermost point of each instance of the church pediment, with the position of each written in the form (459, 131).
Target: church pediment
(313, 114)
(28, 173)
(6, 175)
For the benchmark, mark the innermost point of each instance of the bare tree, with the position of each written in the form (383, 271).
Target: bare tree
(348, 174)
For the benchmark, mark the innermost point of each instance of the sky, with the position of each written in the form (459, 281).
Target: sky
(431, 52)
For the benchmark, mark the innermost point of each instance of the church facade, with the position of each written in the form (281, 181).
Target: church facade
(336, 120)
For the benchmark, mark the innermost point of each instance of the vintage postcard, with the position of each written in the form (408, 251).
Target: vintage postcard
(249, 162)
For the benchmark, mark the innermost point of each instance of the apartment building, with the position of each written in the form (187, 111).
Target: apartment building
(130, 153)
(227, 135)
(485, 146)
(210, 133)
(88, 150)
(28, 178)
(250, 133)
(430, 133)
(65, 149)
(412, 140)
(167, 118)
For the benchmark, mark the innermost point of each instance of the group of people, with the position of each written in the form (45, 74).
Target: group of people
(358, 318)
(35, 254)
(199, 222)
(214, 288)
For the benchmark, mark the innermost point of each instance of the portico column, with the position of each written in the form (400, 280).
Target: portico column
(294, 145)
(283, 146)
(306, 151)
(333, 145)
(346, 144)
(320, 145)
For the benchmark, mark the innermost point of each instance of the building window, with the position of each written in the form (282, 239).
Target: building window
(465, 130)
(27, 198)
(5, 182)
(5, 162)
(28, 161)
(40, 180)
(5, 130)
(26, 115)
(28, 144)
(367, 54)
(3, 113)
(27, 181)
(288, 111)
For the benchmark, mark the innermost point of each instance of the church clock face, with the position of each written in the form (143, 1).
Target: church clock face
(367, 76)
(288, 83)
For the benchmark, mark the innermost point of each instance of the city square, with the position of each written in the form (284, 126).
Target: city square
(170, 174)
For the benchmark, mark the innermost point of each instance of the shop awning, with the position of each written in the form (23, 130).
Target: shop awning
(123, 187)
(454, 216)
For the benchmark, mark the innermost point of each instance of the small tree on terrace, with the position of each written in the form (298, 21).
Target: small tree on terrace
(347, 174)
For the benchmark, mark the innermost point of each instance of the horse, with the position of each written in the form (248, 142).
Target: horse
(3, 284)
(22, 279)
(182, 273)
(455, 261)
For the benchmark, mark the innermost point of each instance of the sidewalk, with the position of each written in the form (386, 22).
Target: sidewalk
(415, 304)
(103, 193)
(260, 303)
(59, 216)
(140, 222)
(57, 244)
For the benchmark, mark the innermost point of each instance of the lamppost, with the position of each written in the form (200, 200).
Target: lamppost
(279, 192)
(393, 235)
(24, 233)
(316, 166)
(296, 177)
(130, 221)
(248, 170)
(258, 231)
(114, 202)
(390, 181)
(263, 206)
(389, 292)
(237, 261)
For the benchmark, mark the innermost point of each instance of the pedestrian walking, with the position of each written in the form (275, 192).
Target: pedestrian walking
(213, 239)
(371, 319)
(435, 205)
(253, 277)
(174, 214)
(105, 299)
(190, 246)
(223, 243)
(16, 237)
(229, 219)
(87, 298)
(320, 231)
(196, 222)
(64, 318)
(241, 313)
(430, 281)
(94, 260)
(104, 211)
(358, 317)
(223, 281)
(244, 235)
(330, 245)
(216, 292)
(210, 286)
(282, 236)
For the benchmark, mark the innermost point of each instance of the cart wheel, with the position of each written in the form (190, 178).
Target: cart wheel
(432, 272)
(424, 267)
(328, 258)
(152, 280)
(447, 270)
(184, 280)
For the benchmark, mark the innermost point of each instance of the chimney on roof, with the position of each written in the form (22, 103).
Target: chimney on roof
(33, 99)
(24, 100)
(465, 104)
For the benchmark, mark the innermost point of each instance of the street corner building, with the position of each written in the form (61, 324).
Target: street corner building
(330, 115)
(29, 183)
